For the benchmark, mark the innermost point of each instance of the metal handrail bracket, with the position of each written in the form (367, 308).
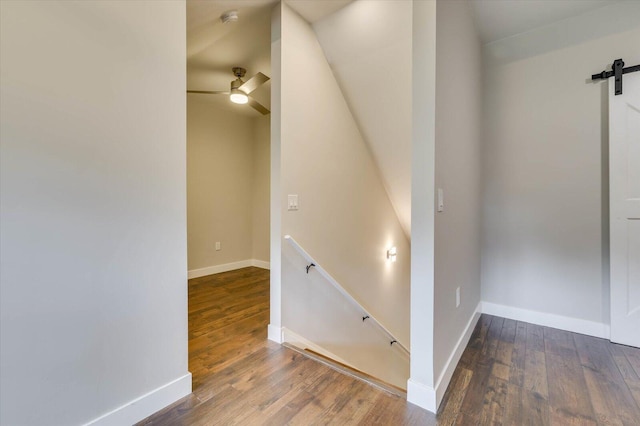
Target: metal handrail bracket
(366, 314)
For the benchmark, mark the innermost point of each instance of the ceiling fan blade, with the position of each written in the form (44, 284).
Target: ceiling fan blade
(253, 83)
(258, 106)
(208, 92)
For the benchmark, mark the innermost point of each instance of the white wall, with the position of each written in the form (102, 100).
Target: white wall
(227, 186)
(420, 387)
(93, 243)
(274, 330)
(368, 45)
(331, 326)
(447, 69)
(345, 219)
(545, 200)
(458, 174)
(260, 188)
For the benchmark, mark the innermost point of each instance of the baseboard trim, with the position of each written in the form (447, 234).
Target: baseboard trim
(574, 325)
(445, 377)
(225, 267)
(421, 395)
(144, 406)
(260, 264)
(274, 333)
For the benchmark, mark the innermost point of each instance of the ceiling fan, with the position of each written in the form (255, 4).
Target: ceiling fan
(241, 90)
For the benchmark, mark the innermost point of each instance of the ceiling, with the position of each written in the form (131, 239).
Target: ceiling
(213, 48)
(368, 45)
(498, 19)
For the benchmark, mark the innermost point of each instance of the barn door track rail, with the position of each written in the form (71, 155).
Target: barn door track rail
(617, 72)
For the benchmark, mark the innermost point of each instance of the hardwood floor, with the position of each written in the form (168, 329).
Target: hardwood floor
(511, 373)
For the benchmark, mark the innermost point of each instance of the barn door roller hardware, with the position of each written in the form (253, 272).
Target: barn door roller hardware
(618, 70)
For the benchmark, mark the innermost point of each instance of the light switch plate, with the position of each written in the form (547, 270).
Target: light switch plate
(293, 202)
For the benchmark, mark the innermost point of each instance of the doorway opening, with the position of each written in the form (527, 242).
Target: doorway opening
(228, 183)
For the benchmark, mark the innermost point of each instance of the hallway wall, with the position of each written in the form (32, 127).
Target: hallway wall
(93, 280)
(345, 219)
(227, 187)
(545, 199)
(458, 138)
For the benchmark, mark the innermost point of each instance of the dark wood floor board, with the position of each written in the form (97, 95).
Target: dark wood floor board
(516, 375)
(253, 366)
(229, 318)
(535, 374)
(629, 375)
(353, 405)
(493, 339)
(504, 351)
(633, 356)
(503, 362)
(386, 411)
(508, 333)
(476, 341)
(535, 338)
(278, 404)
(569, 402)
(173, 412)
(472, 404)
(249, 327)
(495, 399)
(525, 408)
(284, 414)
(510, 373)
(452, 401)
(325, 391)
(535, 409)
(612, 400)
(513, 405)
(559, 342)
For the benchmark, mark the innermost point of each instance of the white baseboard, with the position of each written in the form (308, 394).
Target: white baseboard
(274, 333)
(216, 269)
(445, 377)
(421, 395)
(144, 406)
(428, 397)
(260, 264)
(575, 325)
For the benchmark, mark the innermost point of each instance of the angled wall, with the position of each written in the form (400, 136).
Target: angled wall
(93, 294)
(368, 45)
(345, 219)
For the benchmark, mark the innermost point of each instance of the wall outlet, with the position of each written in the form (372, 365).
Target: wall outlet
(458, 297)
(218, 246)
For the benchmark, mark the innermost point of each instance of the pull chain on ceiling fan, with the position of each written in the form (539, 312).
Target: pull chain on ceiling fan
(241, 90)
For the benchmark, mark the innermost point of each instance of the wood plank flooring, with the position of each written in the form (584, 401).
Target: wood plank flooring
(511, 373)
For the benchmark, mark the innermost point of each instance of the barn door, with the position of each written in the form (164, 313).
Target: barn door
(624, 181)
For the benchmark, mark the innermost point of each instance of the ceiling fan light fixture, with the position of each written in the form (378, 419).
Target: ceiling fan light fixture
(229, 16)
(237, 96)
